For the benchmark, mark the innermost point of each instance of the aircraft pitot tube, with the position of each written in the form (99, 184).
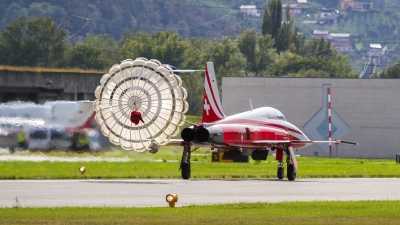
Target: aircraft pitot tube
(140, 104)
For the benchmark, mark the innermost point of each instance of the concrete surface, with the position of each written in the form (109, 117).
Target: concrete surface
(142, 193)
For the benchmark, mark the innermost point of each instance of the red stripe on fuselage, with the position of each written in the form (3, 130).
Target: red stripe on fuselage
(259, 123)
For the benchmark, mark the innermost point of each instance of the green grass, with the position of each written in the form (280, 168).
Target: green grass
(359, 212)
(52, 70)
(165, 164)
(359, 46)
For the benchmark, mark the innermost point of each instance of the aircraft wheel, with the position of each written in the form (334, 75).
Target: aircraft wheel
(11, 150)
(185, 171)
(291, 174)
(281, 173)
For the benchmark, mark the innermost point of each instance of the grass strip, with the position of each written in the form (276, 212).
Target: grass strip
(48, 70)
(352, 212)
(166, 165)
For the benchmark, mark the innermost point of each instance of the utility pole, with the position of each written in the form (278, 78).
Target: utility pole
(68, 16)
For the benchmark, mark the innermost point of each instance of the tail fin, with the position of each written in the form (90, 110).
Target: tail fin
(212, 109)
(73, 114)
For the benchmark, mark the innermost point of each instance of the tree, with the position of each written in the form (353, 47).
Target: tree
(32, 43)
(330, 3)
(85, 56)
(317, 48)
(227, 60)
(258, 51)
(43, 42)
(335, 66)
(106, 44)
(282, 32)
(168, 48)
(138, 45)
(12, 45)
(272, 19)
(392, 71)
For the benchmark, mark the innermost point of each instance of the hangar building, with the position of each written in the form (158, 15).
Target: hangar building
(366, 111)
(39, 87)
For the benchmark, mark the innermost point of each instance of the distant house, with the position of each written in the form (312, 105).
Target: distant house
(342, 47)
(326, 12)
(310, 22)
(357, 5)
(302, 1)
(341, 42)
(294, 9)
(330, 20)
(339, 37)
(321, 34)
(249, 10)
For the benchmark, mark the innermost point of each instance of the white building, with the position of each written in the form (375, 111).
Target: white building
(339, 36)
(249, 10)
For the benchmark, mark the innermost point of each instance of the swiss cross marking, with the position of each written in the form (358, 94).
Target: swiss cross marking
(206, 106)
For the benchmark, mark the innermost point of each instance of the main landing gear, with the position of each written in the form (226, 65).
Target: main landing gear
(291, 172)
(185, 162)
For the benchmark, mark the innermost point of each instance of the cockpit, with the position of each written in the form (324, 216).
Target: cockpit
(276, 114)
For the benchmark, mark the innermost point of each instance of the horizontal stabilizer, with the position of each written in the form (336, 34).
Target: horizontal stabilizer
(188, 71)
(325, 142)
(270, 141)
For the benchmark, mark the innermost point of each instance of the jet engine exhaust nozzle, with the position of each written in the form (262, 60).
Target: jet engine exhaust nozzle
(202, 134)
(188, 134)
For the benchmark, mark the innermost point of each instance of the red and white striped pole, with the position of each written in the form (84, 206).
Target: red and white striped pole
(329, 122)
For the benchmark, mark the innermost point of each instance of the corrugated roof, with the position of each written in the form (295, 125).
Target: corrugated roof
(321, 32)
(247, 7)
(310, 21)
(339, 35)
(375, 46)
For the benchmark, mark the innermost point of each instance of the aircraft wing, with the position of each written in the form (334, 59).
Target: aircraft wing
(181, 142)
(322, 142)
(270, 141)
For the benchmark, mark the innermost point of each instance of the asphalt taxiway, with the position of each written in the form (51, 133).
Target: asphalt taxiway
(142, 193)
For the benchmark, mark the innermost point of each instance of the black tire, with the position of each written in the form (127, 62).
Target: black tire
(185, 171)
(291, 174)
(281, 173)
(11, 150)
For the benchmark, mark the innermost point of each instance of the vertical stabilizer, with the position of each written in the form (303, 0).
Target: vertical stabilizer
(212, 108)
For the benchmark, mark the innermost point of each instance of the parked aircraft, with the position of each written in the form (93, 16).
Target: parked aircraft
(254, 132)
(44, 127)
(141, 104)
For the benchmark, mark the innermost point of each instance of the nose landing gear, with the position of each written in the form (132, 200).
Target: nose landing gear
(290, 170)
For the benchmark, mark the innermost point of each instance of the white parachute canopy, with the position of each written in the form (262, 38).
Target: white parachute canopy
(139, 103)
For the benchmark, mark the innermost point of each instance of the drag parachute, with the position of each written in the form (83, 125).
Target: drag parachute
(140, 103)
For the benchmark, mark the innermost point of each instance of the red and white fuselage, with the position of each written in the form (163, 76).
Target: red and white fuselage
(263, 127)
(256, 130)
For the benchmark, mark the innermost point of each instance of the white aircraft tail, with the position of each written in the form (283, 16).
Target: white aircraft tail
(72, 114)
(212, 108)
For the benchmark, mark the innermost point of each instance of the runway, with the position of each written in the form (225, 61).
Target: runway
(144, 193)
